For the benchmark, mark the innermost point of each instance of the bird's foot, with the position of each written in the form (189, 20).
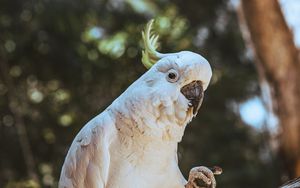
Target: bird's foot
(203, 177)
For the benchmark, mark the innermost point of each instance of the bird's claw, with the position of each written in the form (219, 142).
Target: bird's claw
(203, 177)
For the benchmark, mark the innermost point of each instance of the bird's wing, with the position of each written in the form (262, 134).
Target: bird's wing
(88, 159)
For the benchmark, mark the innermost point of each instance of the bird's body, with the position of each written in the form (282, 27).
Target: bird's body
(146, 163)
(133, 143)
(139, 161)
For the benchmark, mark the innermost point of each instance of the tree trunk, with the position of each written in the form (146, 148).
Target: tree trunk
(278, 63)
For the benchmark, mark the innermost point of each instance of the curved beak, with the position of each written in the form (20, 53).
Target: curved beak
(194, 93)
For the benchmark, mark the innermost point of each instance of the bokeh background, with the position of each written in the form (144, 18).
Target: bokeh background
(63, 62)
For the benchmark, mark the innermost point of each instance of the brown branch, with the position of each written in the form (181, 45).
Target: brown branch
(292, 184)
(278, 63)
(271, 36)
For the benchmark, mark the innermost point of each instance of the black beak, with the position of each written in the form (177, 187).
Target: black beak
(194, 93)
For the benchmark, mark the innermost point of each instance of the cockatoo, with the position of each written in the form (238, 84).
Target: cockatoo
(133, 142)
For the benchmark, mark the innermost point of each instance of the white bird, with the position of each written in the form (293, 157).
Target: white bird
(133, 143)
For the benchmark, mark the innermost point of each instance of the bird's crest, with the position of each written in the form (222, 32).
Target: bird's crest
(149, 55)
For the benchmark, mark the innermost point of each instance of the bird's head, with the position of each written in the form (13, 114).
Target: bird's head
(170, 93)
(183, 74)
(178, 74)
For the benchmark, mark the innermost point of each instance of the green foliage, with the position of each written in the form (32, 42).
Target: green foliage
(68, 60)
(23, 184)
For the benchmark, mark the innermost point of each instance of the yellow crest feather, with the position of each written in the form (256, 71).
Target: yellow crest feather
(149, 54)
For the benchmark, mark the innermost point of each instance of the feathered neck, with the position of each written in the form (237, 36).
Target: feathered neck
(152, 115)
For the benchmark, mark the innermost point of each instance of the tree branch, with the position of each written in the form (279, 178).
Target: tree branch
(278, 63)
(271, 36)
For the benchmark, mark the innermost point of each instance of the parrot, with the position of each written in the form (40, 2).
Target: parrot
(133, 142)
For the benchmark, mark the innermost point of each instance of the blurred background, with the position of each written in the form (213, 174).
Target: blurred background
(63, 62)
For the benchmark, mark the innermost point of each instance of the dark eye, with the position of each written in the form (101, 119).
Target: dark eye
(172, 75)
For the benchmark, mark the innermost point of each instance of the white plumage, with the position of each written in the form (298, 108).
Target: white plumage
(133, 143)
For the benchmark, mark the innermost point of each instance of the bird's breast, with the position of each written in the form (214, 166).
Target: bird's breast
(147, 165)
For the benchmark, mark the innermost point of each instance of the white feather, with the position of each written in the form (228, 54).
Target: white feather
(133, 143)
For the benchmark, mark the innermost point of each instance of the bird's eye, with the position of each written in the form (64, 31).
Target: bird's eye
(172, 75)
